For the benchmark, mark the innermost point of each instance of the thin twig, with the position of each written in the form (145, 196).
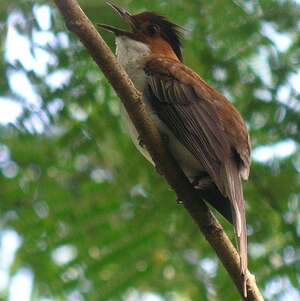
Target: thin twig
(78, 23)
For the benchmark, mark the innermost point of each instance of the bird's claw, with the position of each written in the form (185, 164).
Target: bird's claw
(179, 201)
(141, 142)
(202, 183)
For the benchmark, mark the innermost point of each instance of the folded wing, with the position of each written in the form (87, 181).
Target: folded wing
(209, 127)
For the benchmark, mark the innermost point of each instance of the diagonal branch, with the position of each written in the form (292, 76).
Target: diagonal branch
(78, 23)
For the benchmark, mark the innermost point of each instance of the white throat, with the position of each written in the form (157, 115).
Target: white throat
(131, 55)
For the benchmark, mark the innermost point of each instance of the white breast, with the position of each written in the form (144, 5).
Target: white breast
(131, 55)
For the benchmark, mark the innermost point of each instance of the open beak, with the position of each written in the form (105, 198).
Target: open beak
(125, 15)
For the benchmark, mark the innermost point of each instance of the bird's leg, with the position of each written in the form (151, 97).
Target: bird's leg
(202, 182)
(165, 139)
(141, 142)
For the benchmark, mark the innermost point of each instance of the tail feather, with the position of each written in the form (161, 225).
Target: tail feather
(234, 191)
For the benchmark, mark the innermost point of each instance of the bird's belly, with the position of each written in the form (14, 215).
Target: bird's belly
(187, 162)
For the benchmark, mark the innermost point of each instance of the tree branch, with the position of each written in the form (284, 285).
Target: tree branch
(78, 23)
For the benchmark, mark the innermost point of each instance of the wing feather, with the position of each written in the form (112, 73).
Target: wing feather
(193, 121)
(194, 112)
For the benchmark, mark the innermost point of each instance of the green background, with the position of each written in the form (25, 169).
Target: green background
(92, 219)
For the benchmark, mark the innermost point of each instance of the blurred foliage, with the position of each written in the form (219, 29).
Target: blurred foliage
(73, 185)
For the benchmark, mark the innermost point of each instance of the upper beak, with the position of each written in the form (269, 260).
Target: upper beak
(125, 15)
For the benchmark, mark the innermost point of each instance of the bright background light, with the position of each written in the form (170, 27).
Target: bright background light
(18, 49)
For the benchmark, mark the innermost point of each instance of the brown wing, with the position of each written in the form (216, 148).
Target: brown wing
(194, 112)
(192, 120)
(229, 118)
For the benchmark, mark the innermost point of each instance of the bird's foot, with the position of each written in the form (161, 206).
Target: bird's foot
(202, 183)
(141, 142)
(179, 201)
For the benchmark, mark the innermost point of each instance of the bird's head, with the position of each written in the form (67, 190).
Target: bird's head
(155, 31)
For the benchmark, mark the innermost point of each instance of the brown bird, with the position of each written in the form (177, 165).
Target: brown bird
(206, 134)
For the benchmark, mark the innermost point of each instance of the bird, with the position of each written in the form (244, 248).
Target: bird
(205, 133)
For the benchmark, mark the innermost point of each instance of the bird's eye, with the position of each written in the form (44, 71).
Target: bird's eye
(152, 30)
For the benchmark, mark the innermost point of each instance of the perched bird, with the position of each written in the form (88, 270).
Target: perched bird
(206, 134)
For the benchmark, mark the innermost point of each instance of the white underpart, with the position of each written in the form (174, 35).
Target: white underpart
(132, 56)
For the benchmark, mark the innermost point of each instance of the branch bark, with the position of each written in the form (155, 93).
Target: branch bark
(78, 23)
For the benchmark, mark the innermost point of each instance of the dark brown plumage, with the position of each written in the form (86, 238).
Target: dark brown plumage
(209, 127)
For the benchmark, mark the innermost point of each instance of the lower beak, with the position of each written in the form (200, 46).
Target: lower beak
(125, 15)
(115, 30)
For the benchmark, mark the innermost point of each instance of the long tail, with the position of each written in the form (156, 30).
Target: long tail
(234, 192)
